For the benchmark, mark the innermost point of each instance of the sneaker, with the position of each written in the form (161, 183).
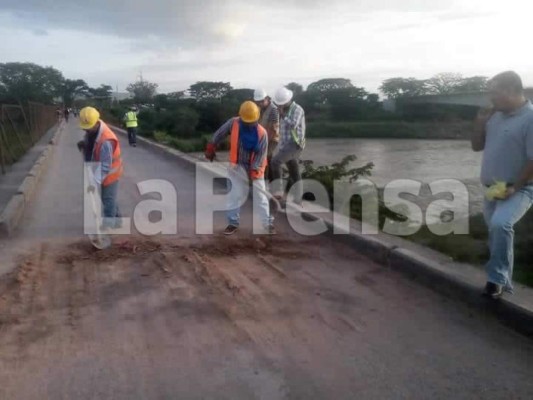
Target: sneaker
(270, 230)
(493, 290)
(230, 230)
(134, 144)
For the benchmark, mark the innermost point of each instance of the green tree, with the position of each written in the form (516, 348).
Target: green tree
(73, 88)
(180, 122)
(296, 88)
(28, 81)
(239, 96)
(473, 84)
(142, 91)
(102, 92)
(395, 88)
(326, 85)
(444, 83)
(209, 90)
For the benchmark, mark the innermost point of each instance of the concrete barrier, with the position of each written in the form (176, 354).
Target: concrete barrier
(11, 215)
(27, 188)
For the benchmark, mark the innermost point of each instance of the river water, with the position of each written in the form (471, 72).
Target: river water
(425, 161)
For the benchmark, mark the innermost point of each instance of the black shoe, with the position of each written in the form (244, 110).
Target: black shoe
(230, 230)
(134, 144)
(493, 290)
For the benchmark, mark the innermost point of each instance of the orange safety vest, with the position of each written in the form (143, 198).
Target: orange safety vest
(234, 149)
(117, 168)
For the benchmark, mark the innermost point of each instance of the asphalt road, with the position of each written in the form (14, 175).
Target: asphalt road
(200, 317)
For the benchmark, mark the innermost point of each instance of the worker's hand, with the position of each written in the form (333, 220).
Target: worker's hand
(210, 151)
(484, 114)
(282, 111)
(81, 145)
(509, 192)
(91, 189)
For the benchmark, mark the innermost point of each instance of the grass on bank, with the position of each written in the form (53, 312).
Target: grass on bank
(471, 248)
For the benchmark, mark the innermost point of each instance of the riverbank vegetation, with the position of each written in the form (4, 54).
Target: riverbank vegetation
(471, 248)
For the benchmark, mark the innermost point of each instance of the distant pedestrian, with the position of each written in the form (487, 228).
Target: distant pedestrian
(66, 112)
(270, 121)
(292, 142)
(505, 135)
(130, 121)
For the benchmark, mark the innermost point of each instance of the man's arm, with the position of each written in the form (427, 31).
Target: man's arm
(106, 158)
(222, 132)
(273, 124)
(261, 154)
(526, 175)
(479, 132)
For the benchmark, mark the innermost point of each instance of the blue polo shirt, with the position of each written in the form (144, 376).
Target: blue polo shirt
(508, 145)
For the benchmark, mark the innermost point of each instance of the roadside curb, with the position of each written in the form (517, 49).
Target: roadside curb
(11, 215)
(441, 278)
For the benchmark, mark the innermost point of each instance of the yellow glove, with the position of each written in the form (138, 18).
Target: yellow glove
(496, 191)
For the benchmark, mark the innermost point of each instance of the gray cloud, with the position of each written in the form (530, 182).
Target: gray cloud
(187, 23)
(40, 32)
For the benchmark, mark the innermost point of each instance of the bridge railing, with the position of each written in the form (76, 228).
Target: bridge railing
(21, 126)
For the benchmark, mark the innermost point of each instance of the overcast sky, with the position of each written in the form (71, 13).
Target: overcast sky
(267, 43)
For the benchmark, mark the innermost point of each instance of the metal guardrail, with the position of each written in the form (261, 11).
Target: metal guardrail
(21, 126)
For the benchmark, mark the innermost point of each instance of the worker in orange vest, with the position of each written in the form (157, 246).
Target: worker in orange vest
(101, 145)
(248, 150)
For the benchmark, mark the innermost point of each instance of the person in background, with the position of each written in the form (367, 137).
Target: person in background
(505, 135)
(270, 121)
(101, 145)
(66, 112)
(292, 142)
(248, 150)
(130, 121)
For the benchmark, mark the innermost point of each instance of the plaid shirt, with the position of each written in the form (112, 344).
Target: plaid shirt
(292, 126)
(270, 121)
(243, 156)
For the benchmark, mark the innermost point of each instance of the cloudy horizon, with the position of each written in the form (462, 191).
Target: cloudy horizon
(268, 44)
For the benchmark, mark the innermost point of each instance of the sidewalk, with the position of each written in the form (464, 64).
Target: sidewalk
(16, 173)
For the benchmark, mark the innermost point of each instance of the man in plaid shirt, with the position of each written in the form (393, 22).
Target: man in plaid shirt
(292, 142)
(270, 121)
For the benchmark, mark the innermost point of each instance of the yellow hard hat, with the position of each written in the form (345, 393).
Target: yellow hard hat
(89, 116)
(249, 112)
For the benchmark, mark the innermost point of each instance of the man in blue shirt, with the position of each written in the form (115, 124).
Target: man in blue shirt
(505, 135)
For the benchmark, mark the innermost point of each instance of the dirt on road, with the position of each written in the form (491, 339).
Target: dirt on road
(232, 318)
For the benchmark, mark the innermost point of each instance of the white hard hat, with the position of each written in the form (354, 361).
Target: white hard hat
(259, 94)
(282, 96)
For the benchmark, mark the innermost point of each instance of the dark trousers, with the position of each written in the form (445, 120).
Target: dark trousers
(132, 135)
(289, 155)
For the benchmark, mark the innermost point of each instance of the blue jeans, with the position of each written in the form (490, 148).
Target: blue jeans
(501, 216)
(110, 206)
(239, 192)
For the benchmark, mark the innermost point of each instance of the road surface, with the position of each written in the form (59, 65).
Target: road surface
(200, 317)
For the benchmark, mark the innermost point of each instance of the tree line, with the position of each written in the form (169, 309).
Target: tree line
(444, 83)
(22, 82)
